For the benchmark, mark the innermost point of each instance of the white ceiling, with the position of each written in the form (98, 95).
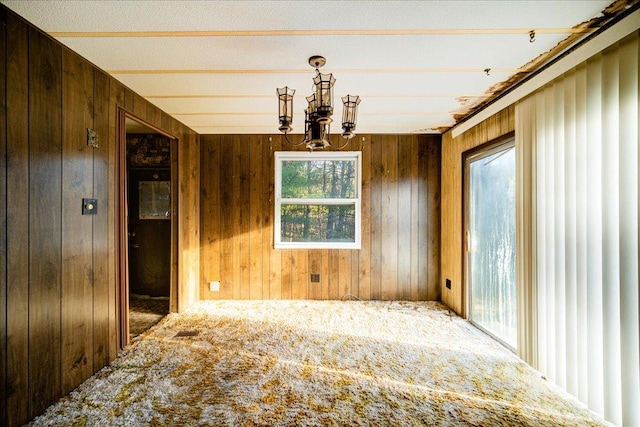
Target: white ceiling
(215, 65)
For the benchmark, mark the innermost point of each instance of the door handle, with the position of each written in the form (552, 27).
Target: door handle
(467, 243)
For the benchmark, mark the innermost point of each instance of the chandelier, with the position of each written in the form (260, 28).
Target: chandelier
(317, 115)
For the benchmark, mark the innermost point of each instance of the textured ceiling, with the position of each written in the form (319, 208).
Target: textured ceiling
(215, 65)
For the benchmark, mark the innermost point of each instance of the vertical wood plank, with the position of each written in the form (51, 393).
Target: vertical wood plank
(45, 158)
(375, 215)
(288, 262)
(234, 213)
(405, 246)
(101, 265)
(275, 256)
(153, 115)
(17, 221)
(344, 272)
(116, 99)
(242, 213)
(227, 218)
(211, 211)
(423, 205)
(299, 273)
(129, 100)
(415, 190)
(166, 121)
(324, 274)
(3, 218)
(355, 273)
(267, 214)
(389, 214)
(364, 273)
(333, 274)
(189, 217)
(139, 104)
(256, 226)
(77, 256)
(432, 212)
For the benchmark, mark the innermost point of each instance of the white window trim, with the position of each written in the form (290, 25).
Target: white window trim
(281, 156)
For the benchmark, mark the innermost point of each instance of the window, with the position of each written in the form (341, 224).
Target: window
(317, 200)
(490, 212)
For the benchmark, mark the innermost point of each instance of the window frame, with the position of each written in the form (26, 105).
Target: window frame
(282, 156)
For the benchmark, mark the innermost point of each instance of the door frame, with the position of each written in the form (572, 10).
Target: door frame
(485, 149)
(122, 238)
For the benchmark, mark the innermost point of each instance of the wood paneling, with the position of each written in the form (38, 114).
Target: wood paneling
(188, 216)
(103, 281)
(3, 216)
(116, 99)
(58, 270)
(77, 229)
(17, 221)
(45, 218)
(451, 243)
(400, 217)
(429, 244)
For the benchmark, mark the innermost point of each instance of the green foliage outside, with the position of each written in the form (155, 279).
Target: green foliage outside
(312, 221)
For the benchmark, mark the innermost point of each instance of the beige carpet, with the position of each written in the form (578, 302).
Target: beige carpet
(306, 363)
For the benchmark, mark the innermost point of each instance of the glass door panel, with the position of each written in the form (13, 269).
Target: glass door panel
(491, 241)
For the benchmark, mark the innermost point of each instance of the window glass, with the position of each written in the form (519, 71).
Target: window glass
(317, 200)
(491, 235)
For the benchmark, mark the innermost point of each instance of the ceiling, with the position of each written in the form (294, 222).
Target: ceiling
(215, 65)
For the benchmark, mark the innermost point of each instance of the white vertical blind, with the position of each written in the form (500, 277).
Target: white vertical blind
(582, 133)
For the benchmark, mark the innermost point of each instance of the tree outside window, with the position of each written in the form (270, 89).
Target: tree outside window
(318, 200)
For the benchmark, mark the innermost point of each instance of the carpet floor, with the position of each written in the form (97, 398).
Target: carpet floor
(144, 312)
(317, 363)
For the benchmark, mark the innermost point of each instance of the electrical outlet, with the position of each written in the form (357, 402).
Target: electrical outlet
(92, 138)
(315, 278)
(447, 283)
(214, 286)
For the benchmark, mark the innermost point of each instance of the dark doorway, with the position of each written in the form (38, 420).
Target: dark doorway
(149, 225)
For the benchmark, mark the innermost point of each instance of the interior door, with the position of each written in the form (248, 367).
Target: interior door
(490, 217)
(149, 232)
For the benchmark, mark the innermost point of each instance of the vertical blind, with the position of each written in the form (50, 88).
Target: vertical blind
(579, 174)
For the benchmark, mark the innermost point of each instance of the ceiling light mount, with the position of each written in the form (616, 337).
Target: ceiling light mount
(317, 115)
(317, 61)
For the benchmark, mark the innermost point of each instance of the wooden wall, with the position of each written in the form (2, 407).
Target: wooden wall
(58, 276)
(451, 244)
(400, 251)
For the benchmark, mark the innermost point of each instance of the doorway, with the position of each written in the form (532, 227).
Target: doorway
(147, 226)
(490, 240)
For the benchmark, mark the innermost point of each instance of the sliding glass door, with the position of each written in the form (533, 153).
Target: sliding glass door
(490, 217)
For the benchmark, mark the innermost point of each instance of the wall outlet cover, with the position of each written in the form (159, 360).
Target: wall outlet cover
(92, 138)
(214, 286)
